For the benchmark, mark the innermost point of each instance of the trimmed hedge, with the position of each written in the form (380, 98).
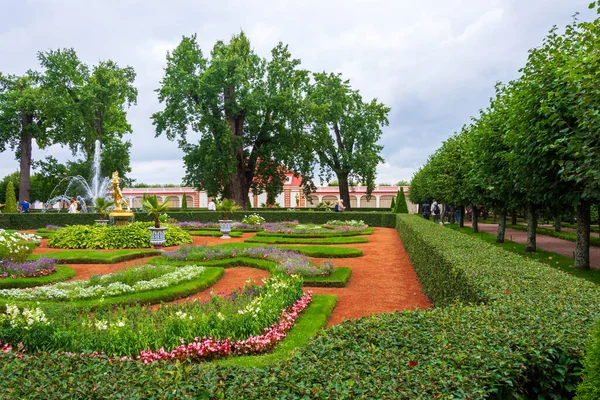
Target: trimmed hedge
(97, 257)
(589, 389)
(325, 234)
(62, 274)
(272, 240)
(383, 218)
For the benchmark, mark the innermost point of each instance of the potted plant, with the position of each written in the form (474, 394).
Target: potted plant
(226, 206)
(102, 207)
(153, 207)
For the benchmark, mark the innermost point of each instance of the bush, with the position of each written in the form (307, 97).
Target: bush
(253, 219)
(135, 235)
(400, 207)
(590, 388)
(10, 207)
(15, 246)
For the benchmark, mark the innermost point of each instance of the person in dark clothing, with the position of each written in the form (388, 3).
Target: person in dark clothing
(426, 209)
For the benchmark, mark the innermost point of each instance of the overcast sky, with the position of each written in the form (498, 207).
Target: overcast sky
(434, 63)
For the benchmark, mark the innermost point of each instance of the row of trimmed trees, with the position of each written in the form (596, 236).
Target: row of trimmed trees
(67, 103)
(535, 147)
(243, 121)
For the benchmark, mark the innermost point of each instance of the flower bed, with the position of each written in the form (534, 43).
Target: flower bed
(27, 269)
(239, 318)
(134, 280)
(135, 235)
(16, 246)
(289, 262)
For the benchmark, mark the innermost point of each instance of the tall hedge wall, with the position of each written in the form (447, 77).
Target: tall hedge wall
(39, 220)
(503, 327)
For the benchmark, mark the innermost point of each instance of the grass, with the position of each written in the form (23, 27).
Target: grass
(367, 231)
(549, 258)
(570, 236)
(62, 273)
(308, 324)
(213, 233)
(285, 240)
(208, 278)
(95, 256)
(339, 277)
(309, 251)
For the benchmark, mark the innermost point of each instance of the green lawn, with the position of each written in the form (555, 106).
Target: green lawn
(325, 234)
(96, 256)
(213, 233)
(551, 259)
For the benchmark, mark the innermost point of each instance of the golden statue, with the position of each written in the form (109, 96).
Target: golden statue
(118, 196)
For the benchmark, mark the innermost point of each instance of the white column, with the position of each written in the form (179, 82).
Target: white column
(358, 200)
(377, 200)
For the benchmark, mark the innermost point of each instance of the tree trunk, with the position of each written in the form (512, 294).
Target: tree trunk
(238, 188)
(531, 228)
(514, 218)
(572, 216)
(582, 246)
(25, 161)
(557, 223)
(462, 217)
(501, 227)
(475, 219)
(344, 189)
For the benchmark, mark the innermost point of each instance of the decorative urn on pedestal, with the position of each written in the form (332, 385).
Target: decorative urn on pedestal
(225, 224)
(154, 208)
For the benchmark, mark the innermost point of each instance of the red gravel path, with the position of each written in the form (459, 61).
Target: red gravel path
(548, 243)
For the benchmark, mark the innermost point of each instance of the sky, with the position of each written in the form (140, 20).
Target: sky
(433, 63)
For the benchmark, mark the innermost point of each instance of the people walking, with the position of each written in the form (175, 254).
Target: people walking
(436, 211)
(426, 209)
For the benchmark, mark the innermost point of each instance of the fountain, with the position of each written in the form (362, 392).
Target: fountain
(97, 188)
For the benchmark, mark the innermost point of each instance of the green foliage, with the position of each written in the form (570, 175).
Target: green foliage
(14, 246)
(184, 203)
(102, 206)
(243, 110)
(134, 235)
(253, 219)
(14, 177)
(153, 207)
(345, 132)
(310, 251)
(393, 206)
(62, 274)
(589, 389)
(10, 207)
(228, 206)
(400, 207)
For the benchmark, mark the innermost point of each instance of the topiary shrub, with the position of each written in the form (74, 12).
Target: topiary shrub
(589, 389)
(11, 201)
(184, 203)
(135, 235)
(401, 207)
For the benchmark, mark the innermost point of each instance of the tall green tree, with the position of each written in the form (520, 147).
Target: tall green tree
(345, 132)
(401, 207)
(239, 118)
(14, 178)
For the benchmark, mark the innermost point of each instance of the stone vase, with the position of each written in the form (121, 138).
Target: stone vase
(157, 237)
(225, 225)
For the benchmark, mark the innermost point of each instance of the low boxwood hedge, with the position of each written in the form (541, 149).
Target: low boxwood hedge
(271, 240)
(326, 233)
(589, 389)
(62, 274)
(38, 220)
(96, 256)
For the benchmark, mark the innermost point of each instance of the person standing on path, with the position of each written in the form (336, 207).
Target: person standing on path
(435, 210)
(211, 204)
(426, 209)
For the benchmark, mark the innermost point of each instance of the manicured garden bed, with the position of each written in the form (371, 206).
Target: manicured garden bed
(310, 251)
(62, 273)
(213, 233)
(286, 240)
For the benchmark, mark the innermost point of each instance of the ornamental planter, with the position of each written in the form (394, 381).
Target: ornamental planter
(225, 225)
(157, 237)
(101, 221)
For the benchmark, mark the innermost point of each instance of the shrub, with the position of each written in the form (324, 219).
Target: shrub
(352, 222)
(10, 207)
(589, 389)
(400, 207)
(135, 235)
(253, 219)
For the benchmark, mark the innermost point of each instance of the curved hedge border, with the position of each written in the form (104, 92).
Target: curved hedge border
(325, 234)
(310, 251)
(62, 274)
(96, 256)
(291, 240)
(208, 278)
